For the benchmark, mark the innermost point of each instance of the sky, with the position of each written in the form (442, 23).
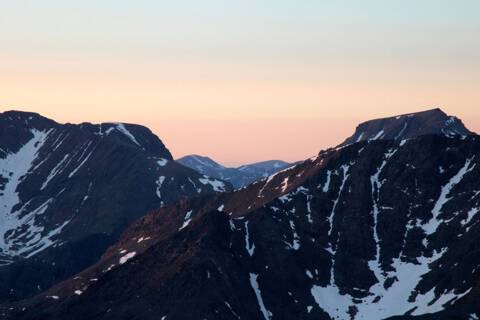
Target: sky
(241, 81)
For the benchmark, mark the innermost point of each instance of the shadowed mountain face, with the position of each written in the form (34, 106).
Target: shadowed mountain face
(408, 126)
(68, 191)
(373, 230)
(238, 177)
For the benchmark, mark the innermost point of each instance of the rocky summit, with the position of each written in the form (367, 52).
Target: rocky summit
(68, 191)
(375, 229)
(411, 125)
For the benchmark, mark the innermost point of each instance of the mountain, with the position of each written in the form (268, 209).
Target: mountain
(68, 191)
(408, 126)
(382, 229)
(238, 177)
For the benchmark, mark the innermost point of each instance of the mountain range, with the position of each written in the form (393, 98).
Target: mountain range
(239, 176)
(384, 226)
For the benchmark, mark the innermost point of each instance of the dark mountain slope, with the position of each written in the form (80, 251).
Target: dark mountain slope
(68, 191)
(408, 126)
(368, 231)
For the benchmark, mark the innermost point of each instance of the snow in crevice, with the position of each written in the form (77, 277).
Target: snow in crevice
(162, 162)
(332, 248)
(431, 226)
(295, 238)
(378, 135)
(85, 198)
(56, 170)
(269, 179)
(231, 309)
(399, 135)
(217, 185)
(250, 248)
(360, 137)
(326, 187)
(345, 169)
(194, 185)
(468, 219)
(121, 127)
(309, 209)
(265, 184)
(127, 257)
(284, 184)
(159, 183)
(267, 315)
(186, 220)
(57, 143)
(44, 242)
(81, 163)
(376, 185)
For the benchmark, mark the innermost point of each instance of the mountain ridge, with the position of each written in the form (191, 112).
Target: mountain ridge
(239, 176)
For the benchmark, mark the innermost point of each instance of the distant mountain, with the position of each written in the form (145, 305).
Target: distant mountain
(408, 126)
(68, 191)
(238, 177)
(380, 229)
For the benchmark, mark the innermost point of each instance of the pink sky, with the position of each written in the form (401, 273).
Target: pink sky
(241, 81)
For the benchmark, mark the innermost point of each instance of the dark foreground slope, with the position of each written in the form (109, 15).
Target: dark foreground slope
(68, 191)
(370, 231)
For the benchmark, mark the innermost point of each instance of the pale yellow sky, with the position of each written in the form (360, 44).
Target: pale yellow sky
(241, 81)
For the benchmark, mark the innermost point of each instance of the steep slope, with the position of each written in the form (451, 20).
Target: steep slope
(238, 177)
(408, 126)
(68, 191)
(370, 231)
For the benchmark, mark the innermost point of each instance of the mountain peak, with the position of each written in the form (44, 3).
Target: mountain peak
(28, 118)
(195, 161)
(411, 125)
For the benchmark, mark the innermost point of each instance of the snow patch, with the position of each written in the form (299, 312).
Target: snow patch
(121, 127)
(186, 220)
(217, 185)
(267, 315)
(162, 162)
(431, 226)
(250, 249)
(159, 183)
(127, 257)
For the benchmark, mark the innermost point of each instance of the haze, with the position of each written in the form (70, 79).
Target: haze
(241, 81)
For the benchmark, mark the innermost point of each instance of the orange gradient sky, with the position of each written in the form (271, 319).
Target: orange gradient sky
(241, 81)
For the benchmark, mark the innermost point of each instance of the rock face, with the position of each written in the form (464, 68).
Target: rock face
(238, 177)
(385, 229)
(68, 191)
(408, 126)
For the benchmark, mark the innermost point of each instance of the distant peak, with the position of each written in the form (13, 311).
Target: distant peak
(410, 125)
(195, 160)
